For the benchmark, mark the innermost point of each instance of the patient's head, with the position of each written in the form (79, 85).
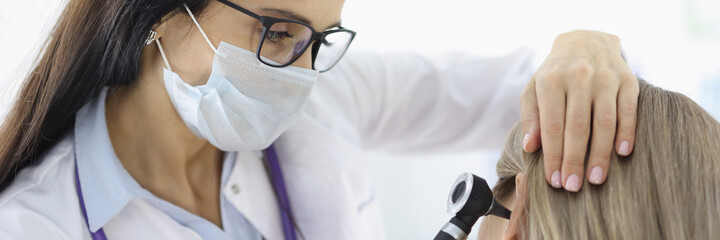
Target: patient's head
(669, 188)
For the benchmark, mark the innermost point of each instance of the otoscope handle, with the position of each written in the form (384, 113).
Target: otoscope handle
(455, 229)
(444, 236)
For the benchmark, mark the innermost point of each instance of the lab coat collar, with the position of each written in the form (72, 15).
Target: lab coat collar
(104, 181)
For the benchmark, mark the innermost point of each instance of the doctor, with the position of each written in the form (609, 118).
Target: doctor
(211, 119)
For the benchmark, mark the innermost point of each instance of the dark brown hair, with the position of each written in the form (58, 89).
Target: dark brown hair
(94, 44)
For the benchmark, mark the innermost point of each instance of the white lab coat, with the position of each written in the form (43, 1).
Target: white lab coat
(390, 102)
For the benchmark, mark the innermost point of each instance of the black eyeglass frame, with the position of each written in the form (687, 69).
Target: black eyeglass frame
(316, 39)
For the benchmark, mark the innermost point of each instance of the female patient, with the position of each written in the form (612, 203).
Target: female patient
(669, 188)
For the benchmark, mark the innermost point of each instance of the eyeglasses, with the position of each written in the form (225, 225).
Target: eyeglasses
(283, 41)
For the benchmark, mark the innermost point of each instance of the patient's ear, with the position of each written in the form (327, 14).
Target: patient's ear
(518, 207)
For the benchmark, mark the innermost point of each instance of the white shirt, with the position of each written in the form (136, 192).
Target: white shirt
(398, 103)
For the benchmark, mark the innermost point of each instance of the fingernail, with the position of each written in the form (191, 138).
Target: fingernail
(555, 179)
(526, 139)
(573, 183)
(596, 175)
(624, 148)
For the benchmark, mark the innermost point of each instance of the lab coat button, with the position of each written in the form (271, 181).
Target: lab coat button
(235, 189)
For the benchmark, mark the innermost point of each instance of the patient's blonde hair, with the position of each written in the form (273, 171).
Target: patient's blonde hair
(669, 188)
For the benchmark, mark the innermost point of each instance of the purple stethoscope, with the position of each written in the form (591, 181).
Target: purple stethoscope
(275, 177)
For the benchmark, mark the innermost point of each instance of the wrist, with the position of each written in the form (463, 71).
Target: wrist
(579, 40)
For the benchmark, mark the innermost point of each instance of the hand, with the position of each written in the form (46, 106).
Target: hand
(583, 80)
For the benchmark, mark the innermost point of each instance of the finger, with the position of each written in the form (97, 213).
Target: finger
(603, 135)
(627, 102)
(550, 92)
(530, 118)
(577, 133)
(518, 208)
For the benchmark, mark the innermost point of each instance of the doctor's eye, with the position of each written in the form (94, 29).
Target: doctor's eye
(277, 35)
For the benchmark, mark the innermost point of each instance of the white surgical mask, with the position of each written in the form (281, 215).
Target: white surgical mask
(245, 104)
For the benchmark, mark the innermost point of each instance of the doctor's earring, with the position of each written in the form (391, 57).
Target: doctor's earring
(151, 38)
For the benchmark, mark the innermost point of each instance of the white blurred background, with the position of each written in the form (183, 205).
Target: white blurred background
(673, 44)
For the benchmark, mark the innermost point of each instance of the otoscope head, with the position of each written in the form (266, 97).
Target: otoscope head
(470, 198)
(470, 195)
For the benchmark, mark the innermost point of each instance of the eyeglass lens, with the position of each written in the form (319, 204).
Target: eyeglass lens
(332, 49)
(285, 41)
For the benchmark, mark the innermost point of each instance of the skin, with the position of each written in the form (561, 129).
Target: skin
(151, 140)
(584, 82)
(165, 157)
(493, 227)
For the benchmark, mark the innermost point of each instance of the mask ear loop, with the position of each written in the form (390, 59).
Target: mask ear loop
(162, 53)
(199, 27)
(150, 39)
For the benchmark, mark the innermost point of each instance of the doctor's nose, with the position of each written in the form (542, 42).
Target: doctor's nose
(305, 60)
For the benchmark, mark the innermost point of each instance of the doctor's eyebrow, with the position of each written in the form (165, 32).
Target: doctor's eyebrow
(287, 14)
(294, 16)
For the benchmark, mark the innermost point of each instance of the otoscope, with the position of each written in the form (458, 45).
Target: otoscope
(470, 198)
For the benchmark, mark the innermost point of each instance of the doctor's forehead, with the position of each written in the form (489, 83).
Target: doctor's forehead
(318, 13)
